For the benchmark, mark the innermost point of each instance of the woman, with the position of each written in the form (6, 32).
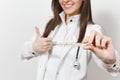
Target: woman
(71, 24)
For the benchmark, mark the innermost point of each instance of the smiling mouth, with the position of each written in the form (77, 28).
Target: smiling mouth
(67, 6)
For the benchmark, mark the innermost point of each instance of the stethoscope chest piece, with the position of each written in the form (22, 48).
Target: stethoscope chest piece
(77, 64)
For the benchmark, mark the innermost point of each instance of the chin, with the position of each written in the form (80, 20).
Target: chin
(69, 12)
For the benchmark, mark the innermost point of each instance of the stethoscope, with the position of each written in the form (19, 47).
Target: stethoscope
(76, 62)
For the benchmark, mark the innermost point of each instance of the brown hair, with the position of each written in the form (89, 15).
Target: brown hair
(85, 18)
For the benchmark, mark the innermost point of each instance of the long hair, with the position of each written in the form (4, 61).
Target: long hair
(85, 18)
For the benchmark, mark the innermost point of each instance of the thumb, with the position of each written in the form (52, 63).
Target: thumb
(37, 31)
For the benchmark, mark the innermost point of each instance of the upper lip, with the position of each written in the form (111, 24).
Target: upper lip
(68, 4)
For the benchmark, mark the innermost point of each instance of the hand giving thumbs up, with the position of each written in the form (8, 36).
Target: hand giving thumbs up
(40, 44)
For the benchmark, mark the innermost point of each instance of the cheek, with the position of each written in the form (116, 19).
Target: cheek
(78, 5)
(60, 2)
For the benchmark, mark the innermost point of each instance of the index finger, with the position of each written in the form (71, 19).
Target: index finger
(48, 39)
(92, 36)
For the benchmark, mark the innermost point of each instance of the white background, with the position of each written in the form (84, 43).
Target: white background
(17, 21)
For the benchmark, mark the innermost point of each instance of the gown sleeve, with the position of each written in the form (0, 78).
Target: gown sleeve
(113, 69)
(27, 50)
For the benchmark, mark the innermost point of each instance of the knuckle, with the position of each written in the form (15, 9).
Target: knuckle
(48, 39)
(107, 38)
(93, 31)
(98, 35)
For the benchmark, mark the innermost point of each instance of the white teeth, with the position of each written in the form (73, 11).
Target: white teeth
(68, 5)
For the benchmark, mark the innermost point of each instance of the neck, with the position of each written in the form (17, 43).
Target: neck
(66, 18)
